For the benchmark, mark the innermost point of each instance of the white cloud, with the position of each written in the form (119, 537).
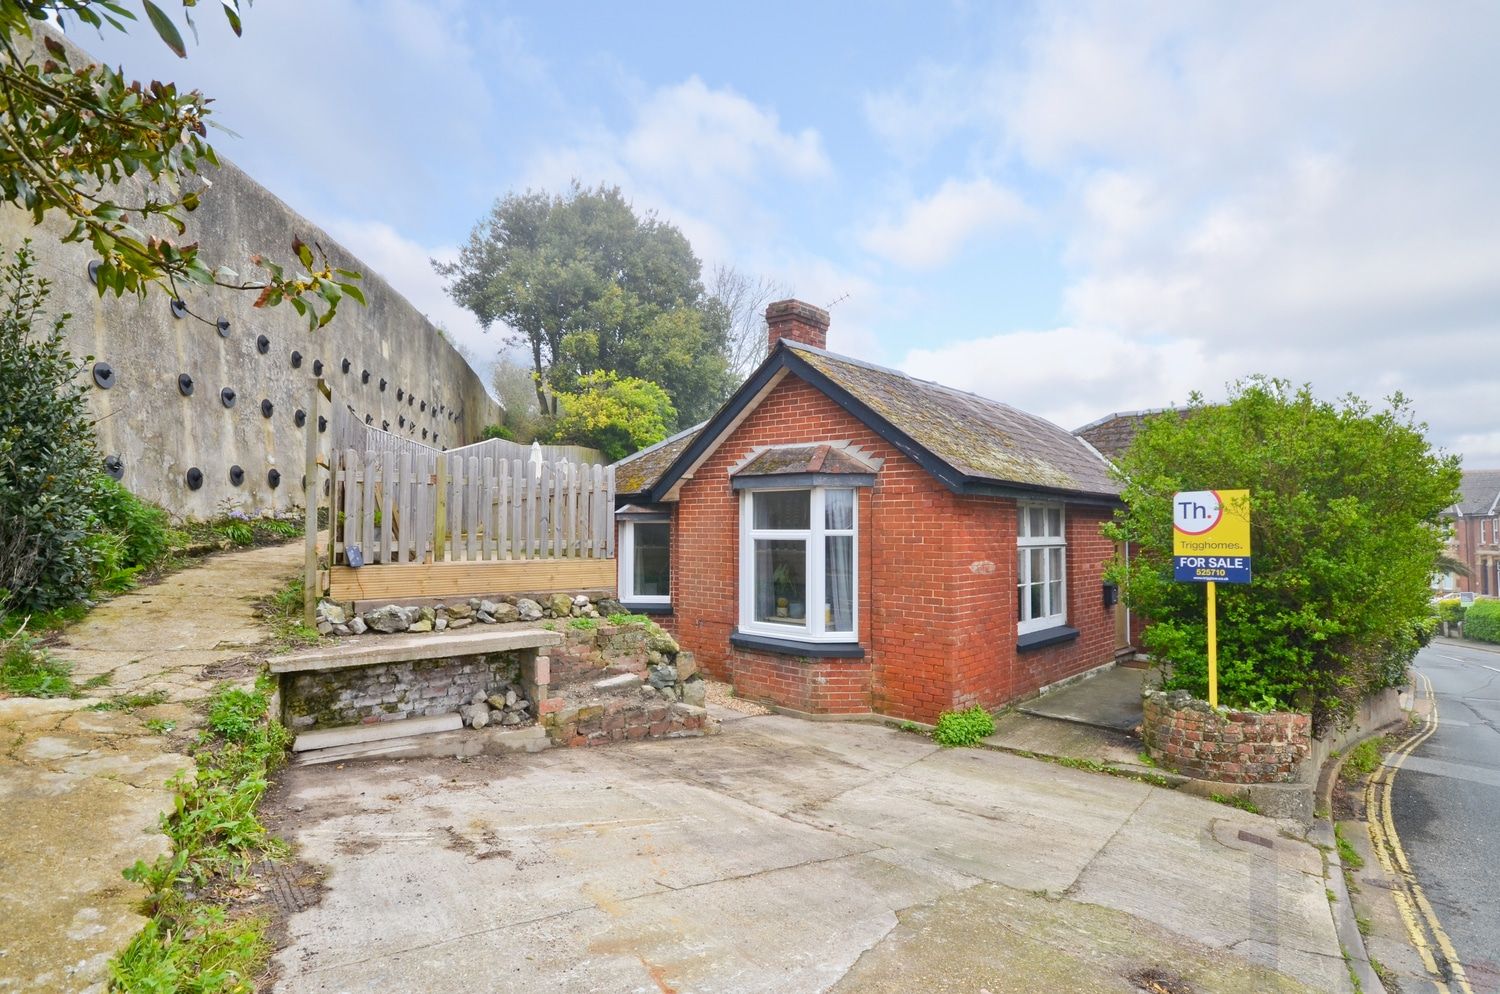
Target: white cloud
(931, 230)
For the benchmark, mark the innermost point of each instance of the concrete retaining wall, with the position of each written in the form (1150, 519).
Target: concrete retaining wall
(158, 434)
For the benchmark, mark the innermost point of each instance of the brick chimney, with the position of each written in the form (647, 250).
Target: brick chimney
(798, 321)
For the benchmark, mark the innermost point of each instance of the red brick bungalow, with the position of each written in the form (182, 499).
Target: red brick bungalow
(843, 539)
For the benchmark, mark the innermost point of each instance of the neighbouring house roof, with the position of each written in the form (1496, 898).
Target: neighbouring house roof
(970, 443)
(635, 474)
(1113, 433)
(1478, 492)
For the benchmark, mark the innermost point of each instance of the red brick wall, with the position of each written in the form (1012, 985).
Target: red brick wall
(936, 586)
(1188, 736)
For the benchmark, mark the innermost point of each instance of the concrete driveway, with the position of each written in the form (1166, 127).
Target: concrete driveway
(789, 856)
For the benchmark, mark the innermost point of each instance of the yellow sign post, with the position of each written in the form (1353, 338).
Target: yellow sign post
(1211, 544)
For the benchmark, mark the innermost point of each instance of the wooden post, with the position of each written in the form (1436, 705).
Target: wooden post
(310, 517)
(440, 529)
(1213, 647)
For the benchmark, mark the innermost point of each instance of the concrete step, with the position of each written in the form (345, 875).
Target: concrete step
(350, 735)
(460, 744)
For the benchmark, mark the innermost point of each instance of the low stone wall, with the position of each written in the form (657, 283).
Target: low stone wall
(334, 618)
(392, 691)
(1236, 747)
(623, 720)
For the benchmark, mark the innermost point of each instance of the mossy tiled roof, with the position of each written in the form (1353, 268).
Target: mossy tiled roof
(637, 472)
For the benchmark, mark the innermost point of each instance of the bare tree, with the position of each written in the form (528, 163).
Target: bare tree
(743, 301)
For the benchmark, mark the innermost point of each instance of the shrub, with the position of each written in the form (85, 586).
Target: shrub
(962, 728)
(614, 414)
(48, 462)
(1346, 531)
(1450, 610)
(496, 431)
(1482, 622)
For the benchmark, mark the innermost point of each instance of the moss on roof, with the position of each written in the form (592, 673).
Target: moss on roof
(636, 473)
(978, 437)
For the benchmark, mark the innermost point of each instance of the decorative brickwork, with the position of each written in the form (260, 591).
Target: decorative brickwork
(1186, 735)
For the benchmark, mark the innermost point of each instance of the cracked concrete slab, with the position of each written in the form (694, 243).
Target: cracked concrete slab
(82, 791)
(784, 855)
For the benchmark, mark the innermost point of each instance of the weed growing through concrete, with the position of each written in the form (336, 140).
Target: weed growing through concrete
(130, 702)
(1240, 801)
(1363, 759)
(283, 612)
(963, 728)
(1348, 855)
(161, 726)
(27, 670)
(192, 943)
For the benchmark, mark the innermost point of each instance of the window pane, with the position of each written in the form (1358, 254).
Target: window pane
(1056, 564)
(1021, 530)
(1054, 522)
(652, 576)
(1038, 523)
(1055, 597)
(788, 509)
(838, 509)
(1038, 565)
(781, 581)
(838, 568)
(1036, 601)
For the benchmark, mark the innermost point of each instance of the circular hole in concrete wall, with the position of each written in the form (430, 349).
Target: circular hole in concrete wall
(300, 417)
(382, 384)
(322, 423)
(385, 426)
(411, 400)
(236, 475)
(296, 360)
(94, 271)
(317, 367)
(223, 325)
(266, 407)
(423, 406)
(226, 396)
(369, 419)
(104, 376)
(344, 366)
(400, 393)
(273, 478)
(114, 466)
(179, 310)
(194, 478)
(262, 344)
(401, 421)
(184, 384)
(364, 376)
(424, 432)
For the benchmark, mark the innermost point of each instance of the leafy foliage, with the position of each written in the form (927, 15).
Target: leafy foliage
(133, 534)
(26, 670)
(1482, 623)
(190, 943)
(1450, 610)
(113, 156)
(1345, 529)
(496, 431)
(588, 285)
(47, 454)
(616, 415)
(963, 728)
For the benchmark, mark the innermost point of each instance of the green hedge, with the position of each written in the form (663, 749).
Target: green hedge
(1450, 610)
(1482, 621)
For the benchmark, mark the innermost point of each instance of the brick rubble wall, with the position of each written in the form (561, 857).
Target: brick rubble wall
(625, 720)
(1186, 735)
(391, 691)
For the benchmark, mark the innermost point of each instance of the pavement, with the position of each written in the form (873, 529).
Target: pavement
(1446, 805)
(789, 856)
(1109, 698)
(82, 790)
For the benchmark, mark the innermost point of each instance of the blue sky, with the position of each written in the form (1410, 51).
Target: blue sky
(1076, 208)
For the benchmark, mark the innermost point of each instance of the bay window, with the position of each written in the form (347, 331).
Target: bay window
(1041, 568)
(798, 563)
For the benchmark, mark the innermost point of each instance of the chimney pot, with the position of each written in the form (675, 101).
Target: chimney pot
(798, 321)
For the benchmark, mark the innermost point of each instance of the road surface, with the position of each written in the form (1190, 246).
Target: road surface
(1446, 807)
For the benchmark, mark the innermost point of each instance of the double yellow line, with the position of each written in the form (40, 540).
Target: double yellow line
(1411, 900)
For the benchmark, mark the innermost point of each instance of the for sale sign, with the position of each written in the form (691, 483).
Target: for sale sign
(1211, 536)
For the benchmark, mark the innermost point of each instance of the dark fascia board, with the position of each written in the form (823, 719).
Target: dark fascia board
(635, 607)
(784, 357)
(786, 481)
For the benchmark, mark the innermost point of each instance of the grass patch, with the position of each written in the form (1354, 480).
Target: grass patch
(1363, 759)
(161, 726)
(1348, 855)
(583, 624)
(626, 618)
(282, 612)
(192, 942)
(131, 702)
(963, 728)
(1241, 801)
(28, 670)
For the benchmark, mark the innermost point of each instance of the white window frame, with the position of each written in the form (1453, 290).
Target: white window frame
(1058, 616)
(813, 538)
(626, 562)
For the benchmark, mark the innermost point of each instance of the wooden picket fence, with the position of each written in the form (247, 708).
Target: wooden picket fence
(399, 508)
